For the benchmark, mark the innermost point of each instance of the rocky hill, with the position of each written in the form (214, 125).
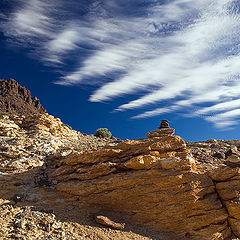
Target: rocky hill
(57, 183)
(54, 180)
(30, 206)
(17, 99)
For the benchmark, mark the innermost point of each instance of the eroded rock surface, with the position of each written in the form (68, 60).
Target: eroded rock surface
(221, 160)
(30, 205)
(54, 180)
(155, 181)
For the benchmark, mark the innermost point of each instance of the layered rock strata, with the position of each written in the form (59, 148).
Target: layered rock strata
(30, 206)
(158, 183)
(152, 180)
(227, 181)
(221, 160)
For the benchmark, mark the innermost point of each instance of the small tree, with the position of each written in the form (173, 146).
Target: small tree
(103, 133)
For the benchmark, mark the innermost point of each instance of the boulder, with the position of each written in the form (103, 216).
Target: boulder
(109, 223)
(161, 132)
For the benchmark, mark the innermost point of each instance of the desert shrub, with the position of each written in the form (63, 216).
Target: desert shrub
(103, 132)
(66, 125)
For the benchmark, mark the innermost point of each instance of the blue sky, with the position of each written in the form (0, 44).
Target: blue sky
(127, 64)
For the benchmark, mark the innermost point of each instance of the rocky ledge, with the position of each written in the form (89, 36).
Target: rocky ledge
(157, 183)
(54, 179)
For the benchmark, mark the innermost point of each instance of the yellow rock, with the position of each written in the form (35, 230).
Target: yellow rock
(141, 162)
(161, 132)
(153, 181)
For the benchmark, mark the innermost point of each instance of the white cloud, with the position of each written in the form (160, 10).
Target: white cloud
(3, 16)
(62, 43)
(65, 40)
(157, 112)
(220, 107)
(35, 25)
(112, 58)
(183, 51)
(31, 20)
(225, 119)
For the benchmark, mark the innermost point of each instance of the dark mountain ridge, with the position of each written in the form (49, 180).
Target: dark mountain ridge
(16, 99)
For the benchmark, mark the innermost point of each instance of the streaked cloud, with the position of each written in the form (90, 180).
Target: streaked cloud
(30, 19)
(226, 119)
(184, 54)
(220, 107)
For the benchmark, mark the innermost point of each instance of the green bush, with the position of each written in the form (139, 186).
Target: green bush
(103, 132)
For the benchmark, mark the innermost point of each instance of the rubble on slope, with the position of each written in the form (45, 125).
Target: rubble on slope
(213, 153)
(26, 141)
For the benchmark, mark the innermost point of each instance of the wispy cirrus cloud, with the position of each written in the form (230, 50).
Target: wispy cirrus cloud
(225, 119)
(36, 25)
(188, 49)
(30, 19)
(220, 107)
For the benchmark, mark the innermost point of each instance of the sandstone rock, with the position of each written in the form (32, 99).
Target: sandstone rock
(141, 162)
(224, 173)
(107, 222)
(228, 189)
(156, 183)
(219, 155)
(212, 140)
(232, 151)
(233, 208)
(211, 155)
(168, 143)
(150, 180)
(161, 132)
(26, 142)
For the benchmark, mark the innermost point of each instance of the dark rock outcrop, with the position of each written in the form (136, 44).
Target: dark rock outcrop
(16, 99)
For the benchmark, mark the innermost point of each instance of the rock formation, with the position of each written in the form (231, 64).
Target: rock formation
(30, 206)
(17, 99)
(154, 181)
(53, 180)
(107, 222)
